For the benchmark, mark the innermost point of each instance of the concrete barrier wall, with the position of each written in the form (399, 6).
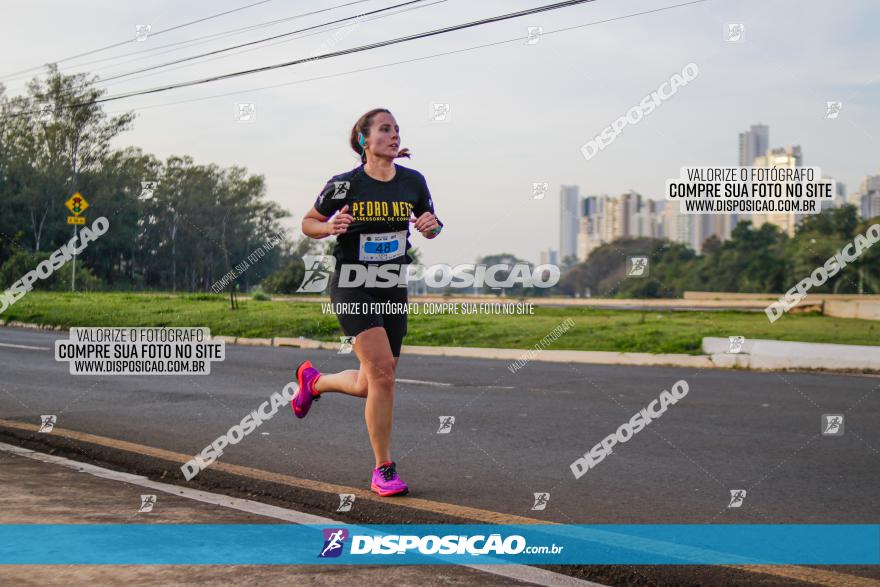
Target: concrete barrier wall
(778, 354)
(862, 309)
(627, 303)
(813, 297)
(692, 300)
(721, 295)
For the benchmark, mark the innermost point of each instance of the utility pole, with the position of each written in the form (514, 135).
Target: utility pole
(73, 264)
(77, 205)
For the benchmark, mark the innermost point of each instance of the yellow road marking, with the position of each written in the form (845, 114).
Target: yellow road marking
(425, 505)
(810, 575)
(806, 574)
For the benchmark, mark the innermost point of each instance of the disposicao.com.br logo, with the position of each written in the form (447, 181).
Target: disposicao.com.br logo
(450, 544)
(319, 271)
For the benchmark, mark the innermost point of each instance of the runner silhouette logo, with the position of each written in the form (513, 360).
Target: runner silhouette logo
(737, 497)
(341, 190)
(334, 542)
(317, 275)
(541, 500)
(832, 424)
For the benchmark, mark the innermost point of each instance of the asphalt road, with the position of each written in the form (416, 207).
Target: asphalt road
(514, 434)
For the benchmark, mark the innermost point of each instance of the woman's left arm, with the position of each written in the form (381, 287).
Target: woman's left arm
(426, 220)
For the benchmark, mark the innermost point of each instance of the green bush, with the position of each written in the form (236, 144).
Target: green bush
(287, 279)
(20, 263)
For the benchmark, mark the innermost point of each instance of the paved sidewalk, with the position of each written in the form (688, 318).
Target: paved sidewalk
(36, 492)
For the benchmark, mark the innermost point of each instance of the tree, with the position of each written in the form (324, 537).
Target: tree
(290, 277)
(201, 221)
(604, 273)
(819, 237)
(516, 289)
(751, 261)
(52, 135)
(120, 255)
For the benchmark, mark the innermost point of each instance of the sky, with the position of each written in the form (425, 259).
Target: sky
(519, 112)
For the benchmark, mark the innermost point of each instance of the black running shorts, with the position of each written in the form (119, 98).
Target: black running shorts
(365, 311)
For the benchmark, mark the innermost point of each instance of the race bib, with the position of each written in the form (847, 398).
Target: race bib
(382, 246)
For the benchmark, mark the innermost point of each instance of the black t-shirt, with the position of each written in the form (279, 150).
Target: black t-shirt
(381, 211)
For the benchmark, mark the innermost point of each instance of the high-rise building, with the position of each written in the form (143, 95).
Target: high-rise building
(838, 188)
(569, 213)
(869, 197)
(628, 205)
(595, 227)
(647, 221)
(586, 240)
(790, 156)
(687, 229)
(753, 143)
(660, 207)
(549, 257)
(720, 225)
(839, 194)
(607, 219)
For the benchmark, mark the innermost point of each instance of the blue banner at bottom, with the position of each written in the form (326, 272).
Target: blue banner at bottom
(284, 544)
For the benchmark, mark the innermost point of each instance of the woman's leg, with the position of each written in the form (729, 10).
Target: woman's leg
(351, 382)
(377, 366)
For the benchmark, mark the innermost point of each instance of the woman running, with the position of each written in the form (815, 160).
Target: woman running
(369, 210)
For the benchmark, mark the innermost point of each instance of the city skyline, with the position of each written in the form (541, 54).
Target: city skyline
(600, 218)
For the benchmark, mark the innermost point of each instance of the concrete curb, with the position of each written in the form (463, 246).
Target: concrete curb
(30, 325)
(661, 303)
(780, 355)
(253, 341)
(757, 355)
(305, 343)
(593, 357)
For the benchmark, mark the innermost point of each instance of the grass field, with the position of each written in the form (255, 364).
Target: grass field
(598, 330)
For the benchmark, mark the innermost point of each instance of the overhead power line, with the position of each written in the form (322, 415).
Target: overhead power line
(297, 38)
(169, 29)
(258, 41)
(414, 59)
(612, 19)
(188, 42)
(352, 50)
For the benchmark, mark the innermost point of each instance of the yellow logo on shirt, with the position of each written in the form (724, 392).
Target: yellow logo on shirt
(371, 211)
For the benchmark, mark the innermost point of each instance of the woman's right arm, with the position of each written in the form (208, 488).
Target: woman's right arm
(317, 226)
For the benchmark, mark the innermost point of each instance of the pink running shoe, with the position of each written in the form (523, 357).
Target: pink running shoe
(306, 376)
(386, 482)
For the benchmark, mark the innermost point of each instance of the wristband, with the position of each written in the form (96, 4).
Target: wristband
(436, 231)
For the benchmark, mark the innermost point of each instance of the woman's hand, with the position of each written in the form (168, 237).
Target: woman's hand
(338, 224)
(425, 224)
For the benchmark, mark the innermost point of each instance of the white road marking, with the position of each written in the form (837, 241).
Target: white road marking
(517, 572)
(23, 346)
(441, 384)
(419, 382)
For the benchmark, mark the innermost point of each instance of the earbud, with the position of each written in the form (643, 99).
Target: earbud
(361, 139)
